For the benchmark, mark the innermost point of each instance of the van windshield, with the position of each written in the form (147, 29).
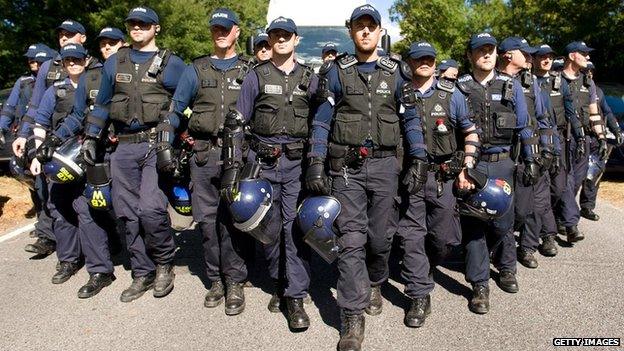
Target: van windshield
(314, 38)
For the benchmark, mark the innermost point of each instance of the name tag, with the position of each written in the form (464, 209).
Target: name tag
(497, 97)
(123, 78)
(273, 89)
(53, 75)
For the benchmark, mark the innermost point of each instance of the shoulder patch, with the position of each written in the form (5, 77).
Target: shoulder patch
(326, 67)
(445, 85)
(387, 64)
(346, 61)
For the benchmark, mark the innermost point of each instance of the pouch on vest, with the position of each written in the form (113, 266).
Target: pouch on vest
(119, 107)
(204, 120)
(294, 151)
(346, 128)
(153, 104)
(388, 130)
(301, 122)
(265, 120)
(505, 124)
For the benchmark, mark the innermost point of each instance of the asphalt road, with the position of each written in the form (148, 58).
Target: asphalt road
(576, 294)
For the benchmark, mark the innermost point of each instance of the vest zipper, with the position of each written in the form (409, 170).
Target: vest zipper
(286, 98)
(370, 108)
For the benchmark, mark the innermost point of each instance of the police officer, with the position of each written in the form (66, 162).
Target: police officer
(532, 197)
(56, 104)
(499, 108)
(135, 93)
(357, 131)
(589, 190)
(449, 69)
(210, 87)
(585, 103)
(329, 52)
(275, 102)
(262, 49)
(12, 112)
(94, 224)
(432, 210)
(50, 71)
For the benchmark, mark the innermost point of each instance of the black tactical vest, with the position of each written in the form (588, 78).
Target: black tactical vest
(527, 81)
(579, 89)
(55, 72)
(552, 85)
(491, 111)
(65, 95)
(435, 112)
(93, 78)
(139, 95)
(283, 105)
(216, 95)
(366, 112)
(27, 84)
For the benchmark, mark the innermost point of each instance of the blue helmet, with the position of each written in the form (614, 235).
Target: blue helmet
(20, 171)
(98, 189)
(65, 166)
(250, 204)
(492, 198)
(181, 199)
(316, 216)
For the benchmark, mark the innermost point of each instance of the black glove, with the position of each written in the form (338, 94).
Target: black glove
(2, 139)
(580, 147)
(416, 176)
(619, 138)
(46, 149)
(546, 161)
(531, 173)
(229, 177)
(88, 150)
(164, 157)
(603, 149)
(315, 178)
(556, 165)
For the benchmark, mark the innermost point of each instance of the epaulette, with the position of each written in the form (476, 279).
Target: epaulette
(445, 85)
(59, 83)
(346, 60)
(26, 78)
(463, 83)
(387, 64)
(465, 78)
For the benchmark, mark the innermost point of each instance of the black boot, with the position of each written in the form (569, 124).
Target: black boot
(43, 246)
(297, 316)
(376, 302)
(274, 304)
(527, 258)
(507, 281)
(480, 302)
(351, 332)
(234, 298)
(418, 312)
(549, 246)
(573, 234)
(97, 282)
(163, 283)
(138, 287)
(589, 214)
(214, 297)
(65, 272)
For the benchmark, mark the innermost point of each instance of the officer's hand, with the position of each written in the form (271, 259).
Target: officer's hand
(556, 165)
(19, 145)
(229, 177)
(46, 149)
(88, 150)
(464, 183)
(315, 178)
(164, 157)
(546, 160)
(603, 149)
(619, 138)
(416, 176)
(531, 173)
(580, 147)
(2, 139)
(35, 167)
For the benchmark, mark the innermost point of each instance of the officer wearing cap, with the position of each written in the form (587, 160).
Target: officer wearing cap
(532, 191)
(432, 210)
(499, 108)
(12, 112)
(329, 52)
(135, 94)
(275, 102)
(210, 86)
(56, 104)
(95, 226)
(585, 104)
(555, 92)
(449, 69)
(262, 49)
(589, 190)
(357, 131)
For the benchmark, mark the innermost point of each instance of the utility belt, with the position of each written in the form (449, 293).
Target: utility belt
(148, 135)
(270, 153)
(216, 140)
(349, 156)
(494, 157)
